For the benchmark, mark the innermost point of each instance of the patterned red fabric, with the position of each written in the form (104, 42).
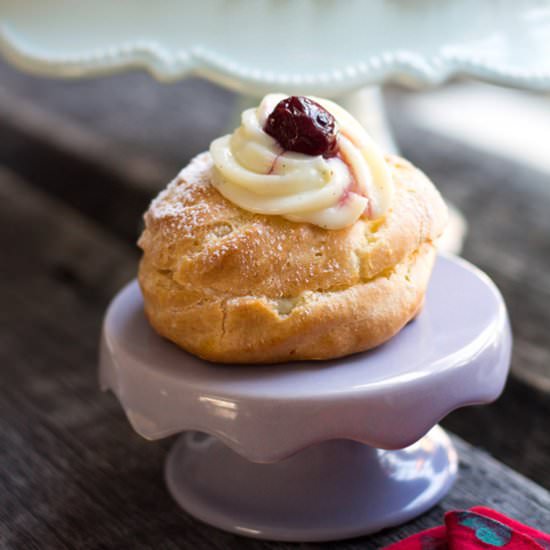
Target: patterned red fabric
(476, 528)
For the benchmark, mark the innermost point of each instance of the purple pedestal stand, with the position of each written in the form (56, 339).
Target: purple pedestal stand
(315, 451)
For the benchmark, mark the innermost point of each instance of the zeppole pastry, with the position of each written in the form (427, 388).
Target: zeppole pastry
(293, 238)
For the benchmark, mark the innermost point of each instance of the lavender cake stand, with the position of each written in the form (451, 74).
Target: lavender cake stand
(314, 451)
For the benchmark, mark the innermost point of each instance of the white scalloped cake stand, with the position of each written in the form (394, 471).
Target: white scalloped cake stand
(323, 47)
(314, 451)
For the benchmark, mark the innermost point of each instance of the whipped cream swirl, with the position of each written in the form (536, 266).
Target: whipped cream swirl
(255, 173)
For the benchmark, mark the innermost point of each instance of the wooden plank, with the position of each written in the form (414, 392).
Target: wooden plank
(72, 167)
(73, 473)
(106, 145)
(159, 126)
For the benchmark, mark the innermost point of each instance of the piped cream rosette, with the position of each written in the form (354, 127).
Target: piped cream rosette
(255, 173)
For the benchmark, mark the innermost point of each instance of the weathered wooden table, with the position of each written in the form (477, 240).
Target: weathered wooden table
(78, 164)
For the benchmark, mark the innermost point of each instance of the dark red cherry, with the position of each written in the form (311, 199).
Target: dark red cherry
(302, 125)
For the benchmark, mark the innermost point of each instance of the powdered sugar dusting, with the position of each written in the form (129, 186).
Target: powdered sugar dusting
(179, 205)
(182, 190)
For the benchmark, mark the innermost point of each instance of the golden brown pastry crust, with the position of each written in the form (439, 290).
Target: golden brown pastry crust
(236, 287)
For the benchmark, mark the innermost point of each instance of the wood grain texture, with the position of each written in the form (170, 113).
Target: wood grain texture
(74, 475)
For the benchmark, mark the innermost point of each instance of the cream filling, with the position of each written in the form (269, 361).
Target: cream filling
(252, 171)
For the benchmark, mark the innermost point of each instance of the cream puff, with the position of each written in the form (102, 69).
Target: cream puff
(294, 238)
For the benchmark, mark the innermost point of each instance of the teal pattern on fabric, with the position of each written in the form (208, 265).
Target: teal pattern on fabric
(489, 531)
(486, 535)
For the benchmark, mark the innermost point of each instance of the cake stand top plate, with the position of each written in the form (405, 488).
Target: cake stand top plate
(325, 47)
(455, 353)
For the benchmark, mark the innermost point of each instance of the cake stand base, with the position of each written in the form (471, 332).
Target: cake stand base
(333, 490)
